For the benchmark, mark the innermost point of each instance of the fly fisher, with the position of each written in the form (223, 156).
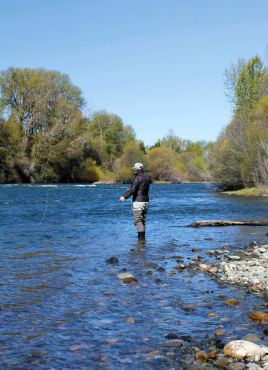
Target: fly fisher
(139, 190)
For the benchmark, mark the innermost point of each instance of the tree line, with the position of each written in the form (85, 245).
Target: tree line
(45, 136)
(239, 157)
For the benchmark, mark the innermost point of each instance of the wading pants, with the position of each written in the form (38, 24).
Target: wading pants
(139, 215)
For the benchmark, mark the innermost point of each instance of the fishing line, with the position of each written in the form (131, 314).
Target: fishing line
(45, 210)
(46, 206)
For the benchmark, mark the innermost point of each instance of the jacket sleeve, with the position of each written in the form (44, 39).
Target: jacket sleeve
(132, 189)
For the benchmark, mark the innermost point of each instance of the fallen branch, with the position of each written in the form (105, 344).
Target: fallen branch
(227, 223)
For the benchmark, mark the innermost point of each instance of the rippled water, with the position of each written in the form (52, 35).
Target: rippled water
(62, 305)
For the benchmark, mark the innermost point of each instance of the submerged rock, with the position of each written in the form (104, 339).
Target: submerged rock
(129, 280)
(171, 336)
(112, 260)
(174, 343)
(231, 302)
(130, 320)
(125, 275)
(212, 314)
(261, 317)
(219, 333)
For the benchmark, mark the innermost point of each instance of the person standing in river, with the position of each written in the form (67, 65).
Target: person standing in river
(139, 190)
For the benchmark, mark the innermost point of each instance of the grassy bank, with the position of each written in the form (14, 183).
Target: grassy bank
(260, 191)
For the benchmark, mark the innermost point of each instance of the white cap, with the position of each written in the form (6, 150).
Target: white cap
(138, 166)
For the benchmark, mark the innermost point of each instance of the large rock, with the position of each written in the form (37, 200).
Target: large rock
(259, 316)
(240, 349)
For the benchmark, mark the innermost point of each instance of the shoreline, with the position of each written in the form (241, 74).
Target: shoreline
(261, 191)
(247, 269)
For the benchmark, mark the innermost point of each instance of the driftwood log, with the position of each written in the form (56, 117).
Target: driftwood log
(227, 223)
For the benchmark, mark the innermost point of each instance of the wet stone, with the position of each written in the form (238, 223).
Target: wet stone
(112, 261)
(237, 366)
(174, 343)
(219, 333)
(171, 336)
(258, 316)
(125, 275)
(265, 331)
(231, 302)
(151, 264)
(130, 320)
(212, 314)
(252, 338)
(130, 280)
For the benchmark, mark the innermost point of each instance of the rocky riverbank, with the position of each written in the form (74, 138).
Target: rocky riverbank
(247, 268)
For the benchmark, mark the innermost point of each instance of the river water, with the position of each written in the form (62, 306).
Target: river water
(63, 307)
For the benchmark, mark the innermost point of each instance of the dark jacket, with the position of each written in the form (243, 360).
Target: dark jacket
(139, 189)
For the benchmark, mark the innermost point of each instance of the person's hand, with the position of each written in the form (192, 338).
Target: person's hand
(122, 199)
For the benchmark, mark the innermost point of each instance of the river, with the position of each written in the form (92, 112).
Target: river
(63, 307)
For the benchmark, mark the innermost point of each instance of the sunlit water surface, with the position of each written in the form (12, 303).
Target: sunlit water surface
(62, 305)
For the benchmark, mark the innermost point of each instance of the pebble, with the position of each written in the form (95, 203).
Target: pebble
(212, 314)
(174, 343)
(219, 333)
(238, 366)
(130, 320)
(231, 302)
(125, 275)
(180, 267)
(252, 338)
(129, 280)
(252, 366)
(171, 336)
(236, 258)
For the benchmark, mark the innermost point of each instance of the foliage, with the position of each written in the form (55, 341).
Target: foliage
(239, 158)
(44, 137)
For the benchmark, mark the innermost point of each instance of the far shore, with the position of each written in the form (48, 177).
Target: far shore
(261, 191)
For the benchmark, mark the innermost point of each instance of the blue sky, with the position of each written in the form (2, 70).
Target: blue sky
(158, 64)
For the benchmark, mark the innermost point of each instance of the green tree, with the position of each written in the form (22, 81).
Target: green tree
(162, 164)
(37, 98)
(108, 136)
(132, 153)
(243, 83)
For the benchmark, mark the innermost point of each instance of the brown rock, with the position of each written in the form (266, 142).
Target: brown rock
(129, 280)
(180, 267)
(212, 314)
(202, 356)
(129, 320)
(221, 362)
(238, 366)
(258, 316)
(231, 302)
(219, 333)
